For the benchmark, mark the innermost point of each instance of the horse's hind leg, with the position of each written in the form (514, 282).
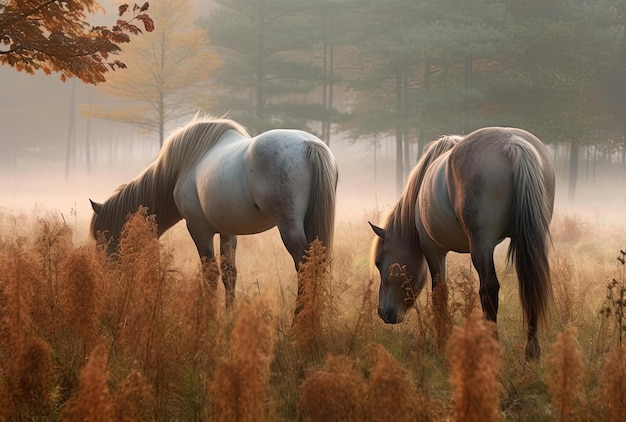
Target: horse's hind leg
(482, 258)
(295, 241)
(228, 249)
(533, 351)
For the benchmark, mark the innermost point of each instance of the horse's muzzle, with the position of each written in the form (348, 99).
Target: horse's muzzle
(390, 316)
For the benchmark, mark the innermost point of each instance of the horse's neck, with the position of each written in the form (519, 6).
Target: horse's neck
(402, 221)
(155, 190)
(404, 224)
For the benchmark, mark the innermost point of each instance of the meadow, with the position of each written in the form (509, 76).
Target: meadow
(144, 337)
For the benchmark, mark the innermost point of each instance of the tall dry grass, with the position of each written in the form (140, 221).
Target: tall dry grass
(475, 363)
(138, 337)
(566, 377)
(340, 392)
(93, 400)
(240, 384)
(312, 302)
(392, 392)
(613, 385)
(26, 364)
(335, 392)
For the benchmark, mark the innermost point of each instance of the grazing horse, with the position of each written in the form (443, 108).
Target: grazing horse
(222, 181)
(466, 194)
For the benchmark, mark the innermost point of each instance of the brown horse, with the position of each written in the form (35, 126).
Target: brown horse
(466, 194)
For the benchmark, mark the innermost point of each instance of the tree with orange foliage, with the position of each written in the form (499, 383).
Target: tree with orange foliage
(54, 36)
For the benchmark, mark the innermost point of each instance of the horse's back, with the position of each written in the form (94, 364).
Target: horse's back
(280, 174)
(248, 185)
(488, 154)
(468, 193)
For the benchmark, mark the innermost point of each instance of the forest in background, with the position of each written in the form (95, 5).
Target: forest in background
(399, 69)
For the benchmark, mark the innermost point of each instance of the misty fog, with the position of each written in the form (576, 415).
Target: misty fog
(43, 177)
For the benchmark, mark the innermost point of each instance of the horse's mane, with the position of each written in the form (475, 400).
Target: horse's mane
(400, 221)
(154, 187)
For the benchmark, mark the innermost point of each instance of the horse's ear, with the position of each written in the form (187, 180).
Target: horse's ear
(379, 232)
(96, 206)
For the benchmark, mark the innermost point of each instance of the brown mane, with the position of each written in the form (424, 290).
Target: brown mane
(400, 221)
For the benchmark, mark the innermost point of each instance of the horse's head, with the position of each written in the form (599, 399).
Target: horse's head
(402, 275)
(101, 230)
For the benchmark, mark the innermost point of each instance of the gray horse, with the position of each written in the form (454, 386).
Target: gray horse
(222, 181)
(466, 194)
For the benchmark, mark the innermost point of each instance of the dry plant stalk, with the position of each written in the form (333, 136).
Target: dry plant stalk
(81, 279)
(467, 303)
(365, 315)
(613, 384)
(52, 245)
(240, 384)
(92, 402)
(143, 320)
(569, 228)
(200, 316)
(565, 376)
(562, 272)
(313, 277)
(139, 256)
(135, 400)
(35, 379)
(27, 368)
(475, 361)
(614, 307)
(441, 317)
(392, 394)
(336, 392)
(211, 275)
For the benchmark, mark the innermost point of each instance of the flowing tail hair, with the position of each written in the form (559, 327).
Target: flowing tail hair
(530, 233)
(319, 220)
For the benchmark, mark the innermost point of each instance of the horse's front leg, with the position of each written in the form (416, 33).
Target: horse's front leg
(203, 239)
(441, 313)
(228, 249)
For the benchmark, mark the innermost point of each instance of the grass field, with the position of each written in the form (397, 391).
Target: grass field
(145, 338)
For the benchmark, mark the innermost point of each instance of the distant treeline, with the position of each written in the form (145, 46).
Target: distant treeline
(416, 69)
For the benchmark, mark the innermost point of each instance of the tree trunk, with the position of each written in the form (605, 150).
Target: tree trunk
(624, 146)
(399, 143)
(424, 133)
(331, 86)
(469, 65)
(573, 170)
(595, 160)
(405, 126)
(324, 89)
(162, 94)
(71, 131)
(327, 94)
(260, 74)
(88, 144)
(161, 119)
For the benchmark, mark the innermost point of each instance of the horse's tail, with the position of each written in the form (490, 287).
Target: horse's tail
(319, 220)
(530, 234)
